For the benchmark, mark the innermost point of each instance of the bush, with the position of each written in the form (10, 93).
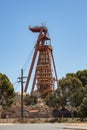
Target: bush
(59, 120)
(3, 115)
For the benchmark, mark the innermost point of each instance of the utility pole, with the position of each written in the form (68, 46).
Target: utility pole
(22, 94)
(21, 80)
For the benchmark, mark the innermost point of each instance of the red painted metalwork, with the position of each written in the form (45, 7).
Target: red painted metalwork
(43, 77)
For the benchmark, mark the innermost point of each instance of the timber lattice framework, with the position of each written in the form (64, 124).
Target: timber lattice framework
(43, 77)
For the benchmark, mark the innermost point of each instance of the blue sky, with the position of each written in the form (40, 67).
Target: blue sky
(66, 21)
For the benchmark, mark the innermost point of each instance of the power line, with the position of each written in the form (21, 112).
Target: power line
(28, 59)
(24, 67)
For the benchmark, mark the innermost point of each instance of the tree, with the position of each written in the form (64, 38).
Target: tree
(71, 74)
(72, 91)
(77, 97)
(66, 93)
(52, 100)
(82, 75)
(60, 97)
(70, 88)
(6, 91)
(82, 109)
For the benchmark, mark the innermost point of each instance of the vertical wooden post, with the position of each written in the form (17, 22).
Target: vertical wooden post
(22, 95)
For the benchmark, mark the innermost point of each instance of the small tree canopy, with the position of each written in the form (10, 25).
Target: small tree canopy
(82, 75)
(6, 91)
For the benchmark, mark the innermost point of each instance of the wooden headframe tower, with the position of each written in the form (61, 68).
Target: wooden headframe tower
(43, 77)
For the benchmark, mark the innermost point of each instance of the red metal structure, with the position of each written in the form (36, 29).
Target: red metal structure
(43, 77)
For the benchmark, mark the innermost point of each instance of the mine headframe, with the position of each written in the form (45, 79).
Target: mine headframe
(43, 77)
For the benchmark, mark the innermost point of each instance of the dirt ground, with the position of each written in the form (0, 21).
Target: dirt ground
(78, 124)
(71, 122)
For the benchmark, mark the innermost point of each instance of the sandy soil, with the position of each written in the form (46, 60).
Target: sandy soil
(78, 124)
